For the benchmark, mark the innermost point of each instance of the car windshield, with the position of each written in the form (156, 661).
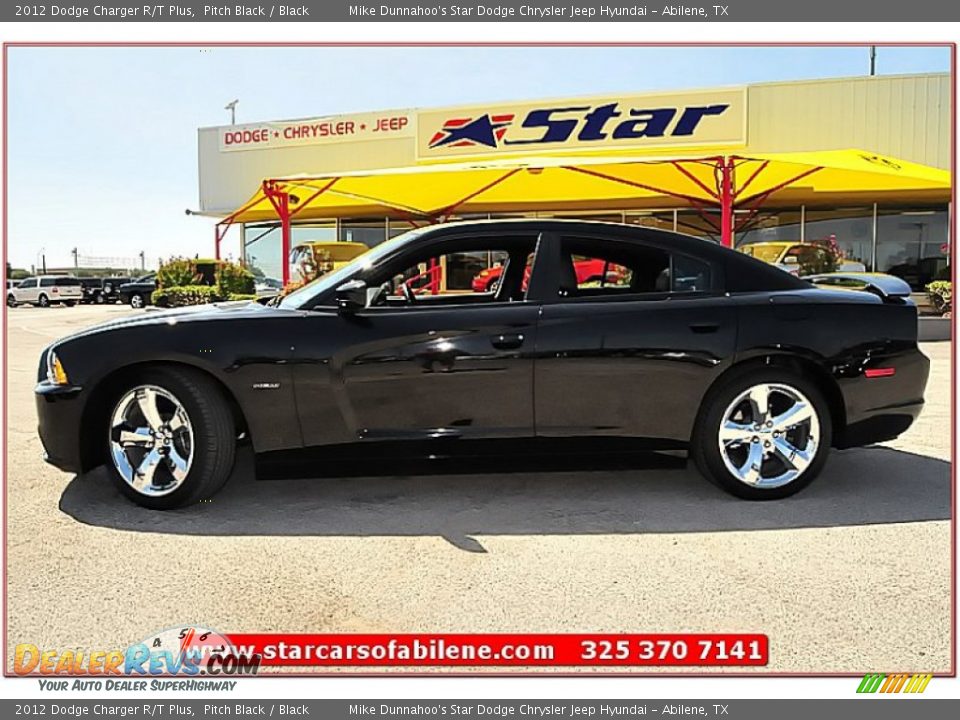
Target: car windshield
(322, 284)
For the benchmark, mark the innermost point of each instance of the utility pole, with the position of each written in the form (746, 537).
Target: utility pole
(873, 60)
(143, 261)
(76, 259)
(232, 107)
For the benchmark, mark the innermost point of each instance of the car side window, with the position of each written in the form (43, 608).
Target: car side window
(463, 271)
(28, 283)
(47, 282)
(610, 268)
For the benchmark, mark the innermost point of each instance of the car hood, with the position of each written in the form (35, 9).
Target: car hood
(240, 309)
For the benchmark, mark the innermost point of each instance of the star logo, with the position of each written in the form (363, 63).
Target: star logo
(485, 130)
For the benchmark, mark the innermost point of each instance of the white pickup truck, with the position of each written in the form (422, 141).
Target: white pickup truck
(45, 290)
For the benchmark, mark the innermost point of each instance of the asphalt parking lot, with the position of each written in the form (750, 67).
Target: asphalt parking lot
(852, 575)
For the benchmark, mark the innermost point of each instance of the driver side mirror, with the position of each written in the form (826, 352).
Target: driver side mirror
(791, 260)
(351, 296)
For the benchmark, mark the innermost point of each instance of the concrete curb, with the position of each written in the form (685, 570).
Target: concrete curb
(933, 329)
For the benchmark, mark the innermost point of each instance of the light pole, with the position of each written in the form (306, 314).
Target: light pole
(873, 60)
(232, 107)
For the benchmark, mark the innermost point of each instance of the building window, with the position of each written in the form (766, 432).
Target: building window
(769, 226)
(851, 228)
(913, 243)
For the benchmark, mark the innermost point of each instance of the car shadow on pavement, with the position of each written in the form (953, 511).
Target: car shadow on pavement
(508, 496)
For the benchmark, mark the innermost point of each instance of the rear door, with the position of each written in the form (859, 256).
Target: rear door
(631, 350)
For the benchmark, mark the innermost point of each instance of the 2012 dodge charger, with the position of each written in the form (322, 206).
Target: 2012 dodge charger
(680, 344)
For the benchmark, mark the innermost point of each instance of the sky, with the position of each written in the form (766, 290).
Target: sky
(102, 142)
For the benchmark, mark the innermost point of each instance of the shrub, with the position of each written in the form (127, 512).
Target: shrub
(177, 272)
(185, 295)
(241, 296)
(234, 279)
(940, 293)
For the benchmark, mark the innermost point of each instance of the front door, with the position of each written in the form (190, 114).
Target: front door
(436, 354)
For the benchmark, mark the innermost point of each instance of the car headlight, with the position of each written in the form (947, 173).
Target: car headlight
(56, 375)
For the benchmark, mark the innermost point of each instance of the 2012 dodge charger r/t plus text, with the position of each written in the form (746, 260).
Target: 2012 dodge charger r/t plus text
(679, 343)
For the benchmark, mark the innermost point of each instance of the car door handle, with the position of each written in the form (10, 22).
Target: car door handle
(509, 341)
(703, 328)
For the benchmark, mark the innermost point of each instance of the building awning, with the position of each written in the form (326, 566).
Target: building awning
(433, 193)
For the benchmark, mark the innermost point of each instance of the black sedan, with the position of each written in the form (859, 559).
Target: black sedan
(137, 292)
(679, 344)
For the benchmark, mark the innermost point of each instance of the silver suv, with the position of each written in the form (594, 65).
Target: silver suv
(45, 290)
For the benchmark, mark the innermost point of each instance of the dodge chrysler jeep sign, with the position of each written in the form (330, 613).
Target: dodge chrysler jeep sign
(686, 119)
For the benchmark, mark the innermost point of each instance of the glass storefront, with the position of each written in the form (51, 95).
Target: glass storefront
(913, 244)
(910, 242)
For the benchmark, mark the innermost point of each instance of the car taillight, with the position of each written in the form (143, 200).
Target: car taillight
(56, 289)
(880, 372)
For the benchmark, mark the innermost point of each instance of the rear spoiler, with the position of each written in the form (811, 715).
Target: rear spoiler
(888, 287)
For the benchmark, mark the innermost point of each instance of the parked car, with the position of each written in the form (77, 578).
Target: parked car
(267, 287)
(753, 371)
(797, 258)
(307, 258)
(92, 290)
(920, 273)
(136, 293)
(46, 290)
(111, 288)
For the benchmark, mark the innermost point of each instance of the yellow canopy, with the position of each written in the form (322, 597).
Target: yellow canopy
(433, 192)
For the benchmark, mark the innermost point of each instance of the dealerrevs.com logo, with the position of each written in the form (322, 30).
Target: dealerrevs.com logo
(581, 123)
(180, 651)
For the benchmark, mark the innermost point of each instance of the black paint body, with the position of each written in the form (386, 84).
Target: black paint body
(540, 366)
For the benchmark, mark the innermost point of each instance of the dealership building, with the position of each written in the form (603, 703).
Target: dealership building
(862, 161)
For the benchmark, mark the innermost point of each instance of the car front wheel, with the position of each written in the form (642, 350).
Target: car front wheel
(764, 434)
(136, 301)
(11, 301)
(171, 439)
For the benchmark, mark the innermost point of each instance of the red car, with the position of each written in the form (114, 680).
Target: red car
(587, 270)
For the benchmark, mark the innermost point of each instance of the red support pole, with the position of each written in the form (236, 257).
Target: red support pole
(280, 199)
(726, 201)
(216, 241)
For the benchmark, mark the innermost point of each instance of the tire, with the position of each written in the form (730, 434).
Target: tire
(69, 303)
(781, 473)
(11, 301)
(493, 285)
(43, 301)
(201, 442)
(136, 301)
(98, 299)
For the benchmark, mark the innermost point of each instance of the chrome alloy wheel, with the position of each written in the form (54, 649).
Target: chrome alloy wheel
(769, 435)
(151, 440)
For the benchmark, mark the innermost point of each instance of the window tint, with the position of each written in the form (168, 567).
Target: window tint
(67, 282)
(591, 267)
(466, 270)
(46, 282)
(28, 283)
(690, 275)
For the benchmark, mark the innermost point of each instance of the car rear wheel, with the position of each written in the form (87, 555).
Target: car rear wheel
(171, 439)
(136, 301)
(764, 434)
(43, 301)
